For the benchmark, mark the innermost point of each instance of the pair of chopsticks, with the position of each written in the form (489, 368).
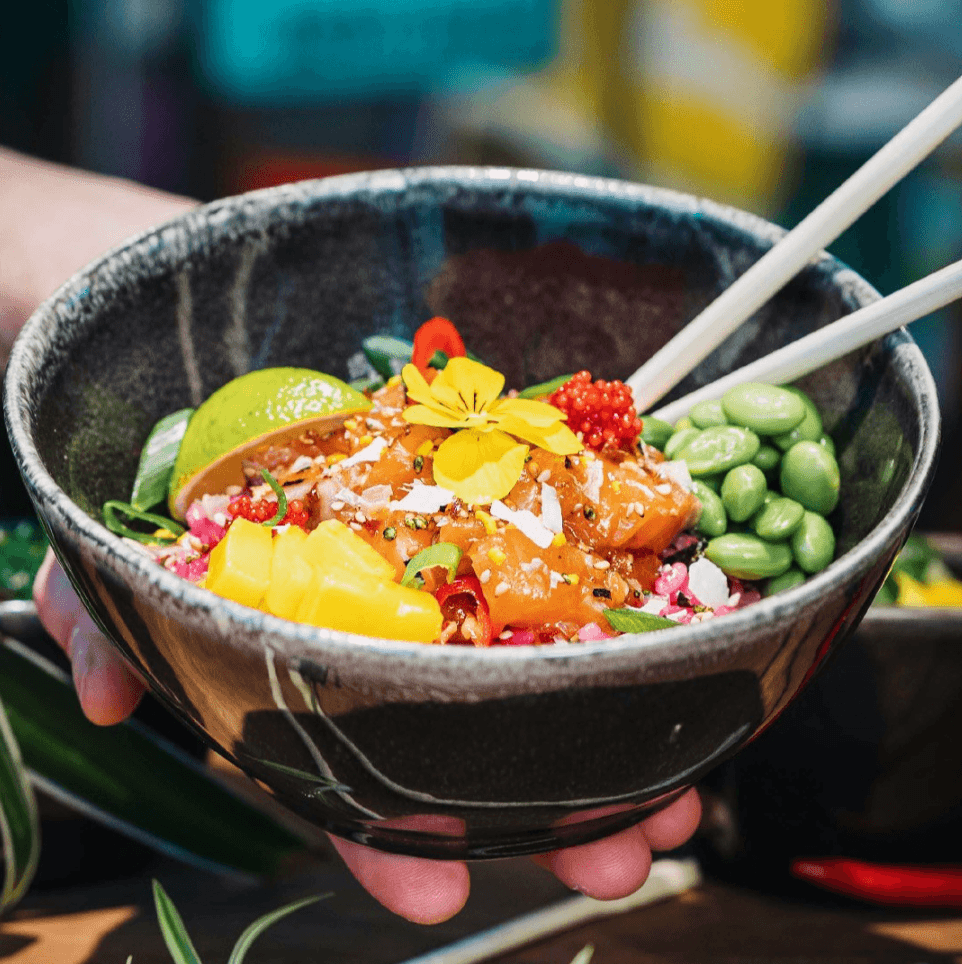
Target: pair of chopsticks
(783, 261)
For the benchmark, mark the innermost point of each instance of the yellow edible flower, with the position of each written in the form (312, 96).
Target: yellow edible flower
(483, 460)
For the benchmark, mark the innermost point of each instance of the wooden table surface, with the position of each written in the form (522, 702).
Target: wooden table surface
(713, 922)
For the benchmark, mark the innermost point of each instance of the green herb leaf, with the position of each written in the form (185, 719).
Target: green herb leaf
(438, 360)
(326, 782)
(281, 499)
(635, 621)
(172, 927)
(369, 384)
(387, 355)
(584, 955)
(114, 524)
(440, 554)
(262, 923)
(19, 823)
(157, 459)
(545, 388)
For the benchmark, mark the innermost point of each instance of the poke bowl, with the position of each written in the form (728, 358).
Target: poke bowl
(451, 751)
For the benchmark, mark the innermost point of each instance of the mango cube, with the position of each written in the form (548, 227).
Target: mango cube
(240, 564)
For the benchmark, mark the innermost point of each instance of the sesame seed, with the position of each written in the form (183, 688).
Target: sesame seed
(501, 588)
(663, 489)
(602, 564)
(359, 516)
(544, 476)
(507, 634)
(337, 506)
(356, 526)
(485, 577)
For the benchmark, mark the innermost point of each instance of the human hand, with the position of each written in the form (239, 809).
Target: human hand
(423, 891)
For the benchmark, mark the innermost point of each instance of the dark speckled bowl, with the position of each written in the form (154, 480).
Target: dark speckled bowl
(450, 751)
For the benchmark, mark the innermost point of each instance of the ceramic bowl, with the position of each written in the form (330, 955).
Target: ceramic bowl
(450, 751)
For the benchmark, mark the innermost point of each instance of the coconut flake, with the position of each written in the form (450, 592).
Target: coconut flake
(375, 497)
(550, 508)
(676, 471)
(707, 583)
(596, 475)
(424, 499)
(346, 496)
(370, 453)
(526, 521)
(300, 464)
(654, 605)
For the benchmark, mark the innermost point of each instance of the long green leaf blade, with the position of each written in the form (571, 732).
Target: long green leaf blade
(130, 778)
(19, 823)
(262, 923)
(157, 459)
(172, 927)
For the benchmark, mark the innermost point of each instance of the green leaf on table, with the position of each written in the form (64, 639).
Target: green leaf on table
(172, 927)
(262, 923)
(19, 823)
(131, 779)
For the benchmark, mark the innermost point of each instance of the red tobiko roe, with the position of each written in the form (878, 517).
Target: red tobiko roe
(603, 412)
(243, 507)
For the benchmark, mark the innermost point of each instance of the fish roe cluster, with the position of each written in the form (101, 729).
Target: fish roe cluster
(265, 509)
(602, 412)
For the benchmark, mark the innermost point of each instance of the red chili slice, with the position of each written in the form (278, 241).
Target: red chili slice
(895, 884)
(463, 599)
(438, 334)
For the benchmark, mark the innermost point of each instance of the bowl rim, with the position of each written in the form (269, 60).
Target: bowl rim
(130, 564)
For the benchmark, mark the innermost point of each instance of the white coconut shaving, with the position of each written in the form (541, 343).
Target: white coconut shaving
(300, 464)
(424, 499)
(654, 605)
(526, 521)
(596, 475)
(708, 584)
(676, 471)
(370, 453)
(375, 497)
(550, 508)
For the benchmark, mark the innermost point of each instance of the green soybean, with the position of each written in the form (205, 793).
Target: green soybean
(765, 409)
(743, 491)
(713, 520)
(713, 482)
(813, 544)
(655, 432)
(679, 440)
(746, 556)
(778, 519)
(787, 580)
(683, 423)
(767, 457)
(718, 449)
(707, 414)
(809, 429)
(810, 475)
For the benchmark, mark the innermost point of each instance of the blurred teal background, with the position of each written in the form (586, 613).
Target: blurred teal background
(766, 104)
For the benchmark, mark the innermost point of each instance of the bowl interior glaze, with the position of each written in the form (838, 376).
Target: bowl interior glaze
(446, 751)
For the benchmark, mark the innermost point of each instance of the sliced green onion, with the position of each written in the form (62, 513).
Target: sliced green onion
(438, 360)
(444, 554)
(635, 621)
(157, 459)
(114, 524)
(387, 355)
(281, 499)
(545, 388)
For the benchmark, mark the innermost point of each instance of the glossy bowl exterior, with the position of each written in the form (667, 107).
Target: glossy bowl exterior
(450, 751)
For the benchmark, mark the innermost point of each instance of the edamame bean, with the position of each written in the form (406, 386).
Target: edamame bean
(767, 457)
(683, 423)
(718, 449)
(743, 491)
(655, 432)
(787, 580)
(706, 414)
(679, 440)
(765, 409)
(809, 474)
(746, 556)
(813, 544)
(809, 429)
(778, 519)
(712, 521)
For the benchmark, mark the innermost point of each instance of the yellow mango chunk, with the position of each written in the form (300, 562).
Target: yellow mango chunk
(290, 573)
(357, 602)
(240, 564)
(333, 544)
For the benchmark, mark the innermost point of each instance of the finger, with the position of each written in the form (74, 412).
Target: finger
(605, 869)
(107, 689)
(423, 891)
(671, 827)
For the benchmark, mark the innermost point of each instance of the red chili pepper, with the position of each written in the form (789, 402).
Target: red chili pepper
(464, 597)
(891, 884)
(436, 335)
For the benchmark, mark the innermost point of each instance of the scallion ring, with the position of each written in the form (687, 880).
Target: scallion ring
(444, 554)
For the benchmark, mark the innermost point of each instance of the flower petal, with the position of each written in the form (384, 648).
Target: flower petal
(528, 410)
(479, 467)
(474, 385)
(432, 415)
(557, 437)
(417, 385)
